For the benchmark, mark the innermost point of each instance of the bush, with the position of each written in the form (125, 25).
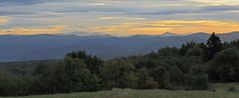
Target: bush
(145, 81)
(232, 89)
(225, 66)
(195, 51)
(196, 82)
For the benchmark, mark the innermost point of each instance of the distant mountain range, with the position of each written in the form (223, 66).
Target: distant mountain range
(44, 46)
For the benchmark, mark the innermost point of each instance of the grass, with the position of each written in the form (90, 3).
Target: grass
(221, 91)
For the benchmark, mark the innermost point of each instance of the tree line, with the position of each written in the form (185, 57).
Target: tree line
(193, 66)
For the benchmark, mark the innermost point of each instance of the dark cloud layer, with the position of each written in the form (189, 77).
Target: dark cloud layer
(124, 8)
(221, 8)
(12, 13)
(25, 2)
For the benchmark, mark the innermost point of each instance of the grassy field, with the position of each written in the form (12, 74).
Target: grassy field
(221, 91)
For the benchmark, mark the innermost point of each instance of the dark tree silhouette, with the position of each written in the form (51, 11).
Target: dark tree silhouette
(93, 63)
(213, 46)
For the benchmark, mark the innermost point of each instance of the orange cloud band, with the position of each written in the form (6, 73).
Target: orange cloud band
(29, 31)
(176, 26)
(3, 20)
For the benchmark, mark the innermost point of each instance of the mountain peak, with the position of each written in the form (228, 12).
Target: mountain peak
(88, 34)
(83, 34)
(199, 34)
(168, 34)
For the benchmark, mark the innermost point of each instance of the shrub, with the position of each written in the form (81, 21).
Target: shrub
(232, 89)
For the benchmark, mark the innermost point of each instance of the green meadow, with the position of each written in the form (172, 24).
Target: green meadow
(219, 91)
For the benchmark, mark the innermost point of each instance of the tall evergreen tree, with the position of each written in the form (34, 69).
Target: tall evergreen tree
(214, 45)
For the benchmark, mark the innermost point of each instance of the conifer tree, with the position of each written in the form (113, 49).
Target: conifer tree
(214, 45)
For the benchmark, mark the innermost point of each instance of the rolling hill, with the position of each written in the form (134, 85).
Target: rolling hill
(44, 46)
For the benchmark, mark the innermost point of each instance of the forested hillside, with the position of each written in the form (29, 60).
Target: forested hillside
(193, 66)
(45, 46)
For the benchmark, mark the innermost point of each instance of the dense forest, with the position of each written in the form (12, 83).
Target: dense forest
(193, 66)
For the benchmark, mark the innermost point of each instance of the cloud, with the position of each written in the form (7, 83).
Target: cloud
(221, 8)
(97, 9)
(10, 13)
(27, 31)
(218, 2)
(161, 26)
(25, 2)
(3, 20)
(97, 4)
(119, 18)
(189, 10)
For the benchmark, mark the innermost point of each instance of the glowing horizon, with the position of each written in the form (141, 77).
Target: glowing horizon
(175, 26)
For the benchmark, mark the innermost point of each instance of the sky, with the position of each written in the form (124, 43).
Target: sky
(118, 17)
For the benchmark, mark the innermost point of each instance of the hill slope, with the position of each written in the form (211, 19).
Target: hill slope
(37, 47)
